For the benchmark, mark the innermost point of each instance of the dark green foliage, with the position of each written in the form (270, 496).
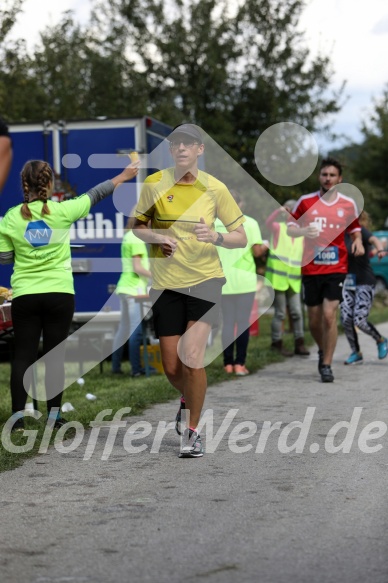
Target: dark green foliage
(366, 164)
(233, 70)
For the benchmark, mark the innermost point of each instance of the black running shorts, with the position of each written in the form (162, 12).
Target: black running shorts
(328, 286)
(172, 309)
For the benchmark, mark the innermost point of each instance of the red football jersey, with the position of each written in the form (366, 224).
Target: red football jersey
(327, 253)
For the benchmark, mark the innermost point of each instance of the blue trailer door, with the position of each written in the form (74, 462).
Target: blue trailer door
(90, 153)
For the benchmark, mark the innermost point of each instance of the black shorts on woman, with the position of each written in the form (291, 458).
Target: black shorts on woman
(173, 309)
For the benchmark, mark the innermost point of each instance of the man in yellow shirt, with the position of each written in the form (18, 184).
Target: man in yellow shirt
(182, 204)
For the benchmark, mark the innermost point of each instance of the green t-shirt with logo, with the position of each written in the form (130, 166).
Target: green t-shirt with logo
(238, 264)
(41, 245)
(131, 283)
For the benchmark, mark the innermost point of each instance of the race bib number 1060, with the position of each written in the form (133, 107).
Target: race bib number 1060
(326, 255)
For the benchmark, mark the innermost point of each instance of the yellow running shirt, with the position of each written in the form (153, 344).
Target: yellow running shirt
(174, 209)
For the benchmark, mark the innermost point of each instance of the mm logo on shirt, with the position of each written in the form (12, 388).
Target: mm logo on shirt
(38, 233)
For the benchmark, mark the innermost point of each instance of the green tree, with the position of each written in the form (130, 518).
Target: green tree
(84, 75)
(223, 67)
(9, 10)
(73, 73)
(14, 63)
(233, 69)
(366, 164)
(372, 160)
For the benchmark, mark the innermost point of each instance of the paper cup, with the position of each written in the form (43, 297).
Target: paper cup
(316, 226)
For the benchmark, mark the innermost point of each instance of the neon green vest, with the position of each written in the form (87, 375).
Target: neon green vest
(283, 268)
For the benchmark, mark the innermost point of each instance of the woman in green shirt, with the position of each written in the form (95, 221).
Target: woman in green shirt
(35, 236)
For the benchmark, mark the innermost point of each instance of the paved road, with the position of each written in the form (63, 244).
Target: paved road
(232, 516)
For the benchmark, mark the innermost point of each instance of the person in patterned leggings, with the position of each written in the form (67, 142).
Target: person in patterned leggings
(359, 290)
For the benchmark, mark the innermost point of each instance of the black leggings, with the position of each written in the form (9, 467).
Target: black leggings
(236, 309)
(35, 315)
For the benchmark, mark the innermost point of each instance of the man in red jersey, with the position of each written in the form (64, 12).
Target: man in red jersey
(319, 217)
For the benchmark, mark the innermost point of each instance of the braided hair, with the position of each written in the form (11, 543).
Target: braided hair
(36, 177)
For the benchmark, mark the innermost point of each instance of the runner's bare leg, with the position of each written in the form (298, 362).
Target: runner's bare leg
(330, 329)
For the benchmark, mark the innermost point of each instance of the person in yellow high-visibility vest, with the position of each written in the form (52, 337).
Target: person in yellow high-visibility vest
(283, 271)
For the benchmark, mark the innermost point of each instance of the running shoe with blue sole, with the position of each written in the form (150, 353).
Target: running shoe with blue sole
(354, 358)
(382, 348)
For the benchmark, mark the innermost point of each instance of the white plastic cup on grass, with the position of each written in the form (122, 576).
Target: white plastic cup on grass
(90, 397)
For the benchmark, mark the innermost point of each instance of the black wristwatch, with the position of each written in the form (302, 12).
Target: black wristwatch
(220, 239)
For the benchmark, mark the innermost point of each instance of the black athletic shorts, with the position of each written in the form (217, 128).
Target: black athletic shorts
(328, 286)
(172, 309)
